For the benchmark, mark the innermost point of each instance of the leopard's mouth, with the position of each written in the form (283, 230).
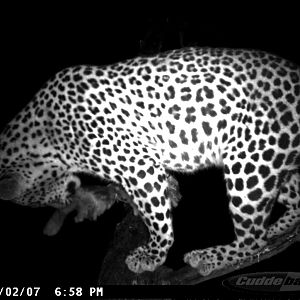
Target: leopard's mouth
(11, 187)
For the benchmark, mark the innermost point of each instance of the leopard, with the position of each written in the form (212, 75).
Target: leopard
(134, 122)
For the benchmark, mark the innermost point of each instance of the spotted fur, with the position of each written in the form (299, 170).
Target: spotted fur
(182, 110)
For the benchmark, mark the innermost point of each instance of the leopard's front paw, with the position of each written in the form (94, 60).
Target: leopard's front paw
(201, 260)
(143, 260)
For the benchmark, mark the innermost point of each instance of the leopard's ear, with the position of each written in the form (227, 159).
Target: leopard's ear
(11, 187)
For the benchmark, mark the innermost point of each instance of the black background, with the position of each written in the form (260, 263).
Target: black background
(35, 44)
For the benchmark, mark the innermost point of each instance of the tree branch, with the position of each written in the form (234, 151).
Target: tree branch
(132, 232)
(91, 201)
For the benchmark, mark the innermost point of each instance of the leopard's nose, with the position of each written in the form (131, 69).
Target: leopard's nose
(11, 187)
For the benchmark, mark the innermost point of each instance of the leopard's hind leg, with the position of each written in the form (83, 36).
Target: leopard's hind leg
(289, 196)
(252, 195)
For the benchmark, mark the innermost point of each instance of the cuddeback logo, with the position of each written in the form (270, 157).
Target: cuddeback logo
(265, 282)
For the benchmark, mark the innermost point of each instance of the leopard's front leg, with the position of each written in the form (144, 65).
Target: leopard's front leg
(153, 203)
